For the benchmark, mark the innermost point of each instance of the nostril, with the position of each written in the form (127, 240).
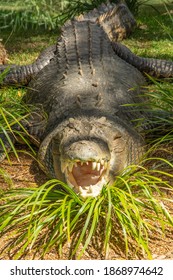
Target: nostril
(86, 150)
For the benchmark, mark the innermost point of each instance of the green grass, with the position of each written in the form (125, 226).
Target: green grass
(125, 214)
(47, 217)
(47, 14)
(12, 115)
(153, 36)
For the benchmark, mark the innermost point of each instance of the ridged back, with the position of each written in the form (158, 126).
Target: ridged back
(86, 76)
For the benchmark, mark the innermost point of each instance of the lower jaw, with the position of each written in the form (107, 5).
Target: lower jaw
(89, 191)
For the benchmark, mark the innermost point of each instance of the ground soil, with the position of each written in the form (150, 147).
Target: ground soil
(26, 173)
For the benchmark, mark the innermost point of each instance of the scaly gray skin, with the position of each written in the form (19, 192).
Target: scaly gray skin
(89, 136)
(116, 20)
(22, 75)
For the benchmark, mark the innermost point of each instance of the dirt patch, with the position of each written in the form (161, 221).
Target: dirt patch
(23, 173)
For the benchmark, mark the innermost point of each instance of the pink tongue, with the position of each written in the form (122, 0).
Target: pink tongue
(84, 175)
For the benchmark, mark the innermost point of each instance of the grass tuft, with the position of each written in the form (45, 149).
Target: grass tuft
(12, 116)
(49, 217)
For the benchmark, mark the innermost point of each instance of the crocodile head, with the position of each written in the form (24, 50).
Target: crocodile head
(85, 164)
(87, 153)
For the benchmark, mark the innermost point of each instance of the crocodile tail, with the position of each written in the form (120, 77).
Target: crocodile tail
(116, 19)
(154, 67)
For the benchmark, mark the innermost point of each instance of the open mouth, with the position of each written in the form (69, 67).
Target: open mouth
(86, 177)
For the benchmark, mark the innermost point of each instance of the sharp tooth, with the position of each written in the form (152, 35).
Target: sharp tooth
(91, 188)
(87, 163)
(102, 162)
(70, 166)
(63, 167)
(98, 166)
(81, 190)
(106, 165)
(94, 165)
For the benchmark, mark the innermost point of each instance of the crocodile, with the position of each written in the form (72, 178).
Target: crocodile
(79, 91)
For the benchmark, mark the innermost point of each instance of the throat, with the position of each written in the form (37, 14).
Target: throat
(86, 174)
(87, 178)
